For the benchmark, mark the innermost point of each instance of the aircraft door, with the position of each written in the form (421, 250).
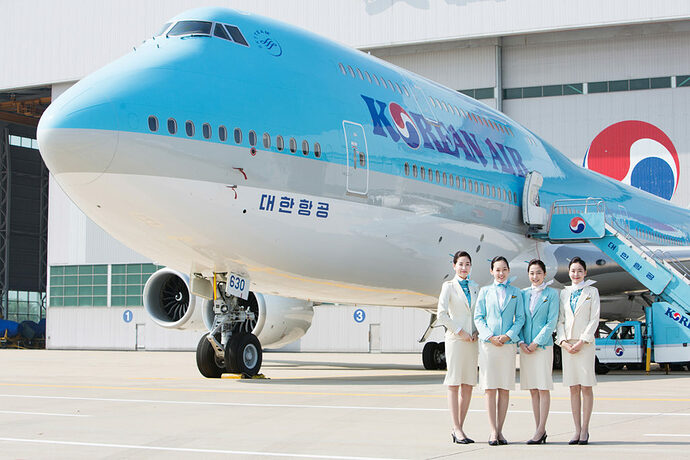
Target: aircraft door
(357, 158)
(532, 214)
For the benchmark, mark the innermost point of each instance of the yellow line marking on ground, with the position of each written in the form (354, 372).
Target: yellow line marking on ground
(310, 393)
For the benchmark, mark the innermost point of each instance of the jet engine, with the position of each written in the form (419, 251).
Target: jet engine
(170, 303)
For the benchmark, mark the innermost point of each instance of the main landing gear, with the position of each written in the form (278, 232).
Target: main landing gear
(229, 346)
(434, 355)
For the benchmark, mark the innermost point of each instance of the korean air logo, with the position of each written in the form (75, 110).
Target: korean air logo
(619, 351)
(577, 225)
(676, 316)
(404, 124)
(636, 153)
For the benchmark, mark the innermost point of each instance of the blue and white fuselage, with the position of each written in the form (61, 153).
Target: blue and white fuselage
(317, 171)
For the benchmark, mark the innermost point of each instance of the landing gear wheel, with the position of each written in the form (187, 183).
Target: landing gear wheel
(600, 368)
(557, 358)
(206, 361)
(244, 353)
(440, 356)
(429, 356)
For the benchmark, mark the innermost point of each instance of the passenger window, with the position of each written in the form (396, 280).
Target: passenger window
(469, 185)
(267, 141)
(457, 181)
(414, 170)
(222, 133)
(390, 85)
(438, 177)
(493, 191)
(238, 135)
(342, 68)
(293, 145)
(280, 144)
(445, 179)
(190, 28)
(352, 72)
(189, 128)
(422, 172)
(362, 159)
(510, 196)
(383, 83)
(405, 91)
(206, 130)
(153, 123)
(482, 188)
(376, 80)
(219, 31)
(366, 74)
(407, 169)
(172, 126)
(317, 150)
(397, 88)
(252, 138)
(503, 191)
(431, 175)
(464, 183)
(236, 35)
(305, 147)
(359, 74)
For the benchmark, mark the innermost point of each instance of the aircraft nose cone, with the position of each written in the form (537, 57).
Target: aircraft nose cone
(77, 135)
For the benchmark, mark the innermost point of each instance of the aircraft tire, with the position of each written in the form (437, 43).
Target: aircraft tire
(206, 360)
(441, 356)
(245, 354)
(557, 357)
(428, 356)
(599, 368)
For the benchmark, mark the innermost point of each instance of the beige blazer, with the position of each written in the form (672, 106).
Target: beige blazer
(454, 312)
(581, 324)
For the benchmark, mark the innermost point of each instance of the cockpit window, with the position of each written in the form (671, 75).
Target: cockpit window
(163, 29)
(236, 35)
(219, 31)
(190, 28)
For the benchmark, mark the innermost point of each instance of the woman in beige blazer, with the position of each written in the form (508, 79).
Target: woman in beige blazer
(578, 320)
(456, 313)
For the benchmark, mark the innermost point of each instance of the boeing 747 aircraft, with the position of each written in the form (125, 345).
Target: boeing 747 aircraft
(271, 170)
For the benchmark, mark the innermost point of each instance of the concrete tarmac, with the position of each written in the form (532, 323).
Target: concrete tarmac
(154, 405)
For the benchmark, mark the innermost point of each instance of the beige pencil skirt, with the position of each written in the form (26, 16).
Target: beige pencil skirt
(461, 360)
(496, 366)
(578, 368)
(535, 369)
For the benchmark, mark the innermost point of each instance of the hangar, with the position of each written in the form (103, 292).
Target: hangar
(568, 72)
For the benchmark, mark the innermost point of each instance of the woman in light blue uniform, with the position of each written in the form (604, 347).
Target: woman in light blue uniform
(541, 305)
(499, 316)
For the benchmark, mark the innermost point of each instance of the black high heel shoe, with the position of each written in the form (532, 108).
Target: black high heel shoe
(502, 442)
(457, 440)
(574, 441)
(541, 440)
(584, 442)
(493, 443)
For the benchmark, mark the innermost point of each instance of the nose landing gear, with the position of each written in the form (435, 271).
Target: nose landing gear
(229, 346)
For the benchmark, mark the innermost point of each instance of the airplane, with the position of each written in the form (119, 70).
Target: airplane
(271, 170)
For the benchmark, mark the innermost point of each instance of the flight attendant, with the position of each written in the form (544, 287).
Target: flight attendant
(578, 321)
(499, 316)
(541, 305)
(456, 313)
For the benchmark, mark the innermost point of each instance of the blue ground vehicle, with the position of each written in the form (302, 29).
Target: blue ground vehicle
(663, 338)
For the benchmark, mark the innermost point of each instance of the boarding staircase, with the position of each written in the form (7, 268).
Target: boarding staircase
(588, 221)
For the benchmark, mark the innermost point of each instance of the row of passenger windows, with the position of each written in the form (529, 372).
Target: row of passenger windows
(224, 31)
(462, 183)
(372, 78)
(658, 237)
(207, 133)
(435, 102)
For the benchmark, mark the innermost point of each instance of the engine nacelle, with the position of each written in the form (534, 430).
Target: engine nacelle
(169, 301)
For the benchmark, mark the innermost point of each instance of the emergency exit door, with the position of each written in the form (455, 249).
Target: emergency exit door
(357, 158)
